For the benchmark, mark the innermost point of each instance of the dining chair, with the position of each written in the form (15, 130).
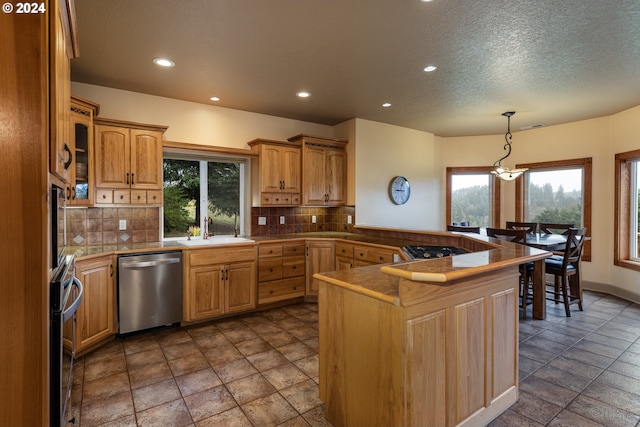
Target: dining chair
(566, 271)
(464, 229)
(529, 227)
(547, 227)
(517, 235)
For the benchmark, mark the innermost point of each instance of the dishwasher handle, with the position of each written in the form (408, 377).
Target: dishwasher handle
(146, 264)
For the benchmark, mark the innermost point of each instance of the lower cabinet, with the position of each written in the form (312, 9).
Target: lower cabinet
(350, 255)
(281, 270)
(96, 317)
(219, 281)
(321, 256)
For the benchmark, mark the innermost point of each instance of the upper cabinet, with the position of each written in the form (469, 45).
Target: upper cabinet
(64, 47)
(128, 159)
(81, 171)
(276, 173)
(324, 166)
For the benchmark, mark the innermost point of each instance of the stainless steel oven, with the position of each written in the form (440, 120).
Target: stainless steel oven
(65, 297)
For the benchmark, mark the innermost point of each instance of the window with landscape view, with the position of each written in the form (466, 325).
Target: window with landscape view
(556, 192)
(473, 197)
(627, 202)
(195, 189)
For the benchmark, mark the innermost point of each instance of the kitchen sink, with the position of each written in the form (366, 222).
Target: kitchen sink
(212, 241)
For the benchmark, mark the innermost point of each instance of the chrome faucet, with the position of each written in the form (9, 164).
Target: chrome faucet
(207, 221)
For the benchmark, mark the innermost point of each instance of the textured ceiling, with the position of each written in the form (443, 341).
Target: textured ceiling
(551, 61)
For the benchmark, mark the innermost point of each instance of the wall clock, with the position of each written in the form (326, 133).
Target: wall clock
(399, 190)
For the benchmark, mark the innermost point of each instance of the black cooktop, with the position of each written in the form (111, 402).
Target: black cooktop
(426, 252)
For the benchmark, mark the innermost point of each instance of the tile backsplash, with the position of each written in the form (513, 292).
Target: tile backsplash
(300, 219)
(100, 226)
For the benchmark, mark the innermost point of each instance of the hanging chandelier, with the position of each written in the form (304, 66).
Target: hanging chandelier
(500, 171)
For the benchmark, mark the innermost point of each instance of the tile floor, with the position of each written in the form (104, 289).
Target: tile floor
(262, 370)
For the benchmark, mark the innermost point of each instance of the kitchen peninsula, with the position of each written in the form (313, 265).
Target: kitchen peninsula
(431, 342)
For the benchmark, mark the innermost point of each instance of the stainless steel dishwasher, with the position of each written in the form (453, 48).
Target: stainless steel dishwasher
(149, 290)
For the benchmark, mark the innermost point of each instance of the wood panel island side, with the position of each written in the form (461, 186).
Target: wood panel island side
(423, 343)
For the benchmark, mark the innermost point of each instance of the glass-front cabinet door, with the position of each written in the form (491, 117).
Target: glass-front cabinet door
(82, 182)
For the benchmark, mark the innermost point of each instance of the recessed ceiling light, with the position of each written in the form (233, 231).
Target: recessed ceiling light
(386, 104)
(426, 1)
(163, 62)
(430, 68)
(215, 98)
(303, 94)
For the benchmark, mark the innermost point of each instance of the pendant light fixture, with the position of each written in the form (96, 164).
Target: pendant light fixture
(500, 171)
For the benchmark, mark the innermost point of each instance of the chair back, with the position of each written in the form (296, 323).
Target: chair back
(573, 248)
(547, 227)
(528, 227)
(508, 234)
(463, 229)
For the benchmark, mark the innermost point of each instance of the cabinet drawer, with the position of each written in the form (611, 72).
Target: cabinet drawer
(222, 255)
(271, 199)
(138, 197)
(122, 196)
(154, 197)
(279, 290)
(293, 249)
(344, 249)
(289, 199)
(270, 250)
(269, 269)
(293, 267)
(376, 256)
(104, 196)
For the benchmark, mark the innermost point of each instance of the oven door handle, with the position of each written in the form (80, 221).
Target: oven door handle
(71, 310)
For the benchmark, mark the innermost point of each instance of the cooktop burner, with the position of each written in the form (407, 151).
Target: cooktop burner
(422, 252)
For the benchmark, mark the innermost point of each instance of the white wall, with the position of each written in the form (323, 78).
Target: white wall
(385, 151)
(193, 122)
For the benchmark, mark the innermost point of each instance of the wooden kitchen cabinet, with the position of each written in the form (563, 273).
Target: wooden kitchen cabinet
(324, 166)
(63, 48)
(445, 356)
(219, 281)
(96, 317)
(320, 255)
(81, 172)
(276, 177)
(128, 159)
(281, 271)
(351, 255)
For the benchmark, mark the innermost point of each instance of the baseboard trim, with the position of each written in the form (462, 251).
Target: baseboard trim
(611, 290)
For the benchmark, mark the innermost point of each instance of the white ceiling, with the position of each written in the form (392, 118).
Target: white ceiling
(551, 61)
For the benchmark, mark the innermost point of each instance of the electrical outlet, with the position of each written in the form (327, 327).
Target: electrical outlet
(123, 224)
(262, 220)
(281, 219)
(313, 219)
(349, 219)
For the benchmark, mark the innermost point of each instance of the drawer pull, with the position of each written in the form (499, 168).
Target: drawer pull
(271, 270)
(270, 292)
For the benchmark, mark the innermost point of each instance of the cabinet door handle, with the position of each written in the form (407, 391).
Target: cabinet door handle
(70, 159)
(73, 193)
(132, 182)
(111, 270)
(68, 193)
(127, 181)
